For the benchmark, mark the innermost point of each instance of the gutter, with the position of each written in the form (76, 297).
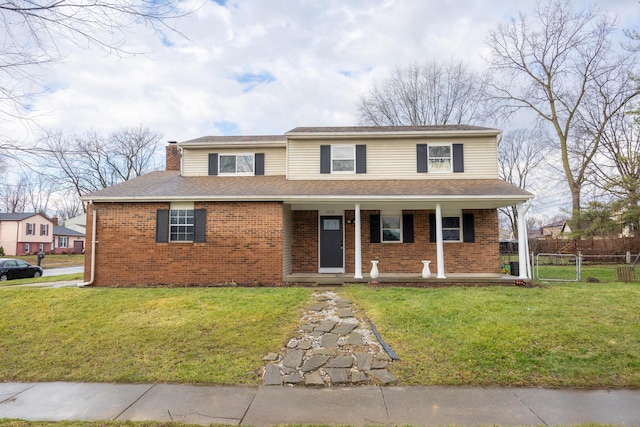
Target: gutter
(93, 248)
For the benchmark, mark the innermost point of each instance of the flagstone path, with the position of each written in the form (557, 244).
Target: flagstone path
(332, 347)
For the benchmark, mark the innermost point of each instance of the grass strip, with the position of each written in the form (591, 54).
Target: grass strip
(198, 336)
(576, 335)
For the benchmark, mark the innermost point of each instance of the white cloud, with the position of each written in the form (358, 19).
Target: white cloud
(260, 67)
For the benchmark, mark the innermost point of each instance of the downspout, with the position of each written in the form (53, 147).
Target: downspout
(93, 247)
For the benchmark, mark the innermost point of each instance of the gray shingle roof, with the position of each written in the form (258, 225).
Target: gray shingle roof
(8, 216)
(169, 185)
(59, 230)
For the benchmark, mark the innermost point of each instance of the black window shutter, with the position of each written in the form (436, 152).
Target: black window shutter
(259, 166)
(374, 228)
(325, 159)
(407, 228)
(468, 228)
(361, 159)
(199, 225)
(458, 158)
(213, 163)
(432, 228)
(421, 156)
(162, 226)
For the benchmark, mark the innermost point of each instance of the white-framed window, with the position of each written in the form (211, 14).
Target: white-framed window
(31, 228)
(41, 247)
(236, 164)
(440, 158)
(27, 248)
(44, 229)
(391, 228)
(62, 242)
(181, 225)
(452, 228)
(343, 159)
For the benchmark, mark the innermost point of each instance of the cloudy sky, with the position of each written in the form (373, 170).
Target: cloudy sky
(266, 66)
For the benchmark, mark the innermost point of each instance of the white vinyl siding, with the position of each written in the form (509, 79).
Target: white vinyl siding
(195, 162)
(394, 159)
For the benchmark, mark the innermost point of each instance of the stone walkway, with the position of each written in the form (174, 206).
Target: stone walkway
(332, 347)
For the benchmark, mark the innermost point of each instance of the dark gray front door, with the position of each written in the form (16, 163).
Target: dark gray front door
(331, 244)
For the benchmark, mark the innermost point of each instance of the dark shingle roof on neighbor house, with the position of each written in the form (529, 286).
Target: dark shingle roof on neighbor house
(11, 216)
(170, 186)
(59, 230)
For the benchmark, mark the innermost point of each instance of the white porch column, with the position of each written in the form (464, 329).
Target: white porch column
(439, 243)
(522, 242)
(358, 245)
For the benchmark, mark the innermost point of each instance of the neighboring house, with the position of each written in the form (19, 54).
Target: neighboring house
(312, 202)
(25, 233)
(558, 229)
(67, 241)
(77, 223)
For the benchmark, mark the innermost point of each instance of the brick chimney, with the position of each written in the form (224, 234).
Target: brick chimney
(173, 157)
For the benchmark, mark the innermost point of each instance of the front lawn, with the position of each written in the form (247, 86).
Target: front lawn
(561, 335)
(569, 335)
(206, 336)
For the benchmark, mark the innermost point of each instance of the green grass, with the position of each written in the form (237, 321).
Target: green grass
(53, 260)
(200, 336)
(44, 279)
(569, 335)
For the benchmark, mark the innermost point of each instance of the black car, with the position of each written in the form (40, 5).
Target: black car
(17, 269)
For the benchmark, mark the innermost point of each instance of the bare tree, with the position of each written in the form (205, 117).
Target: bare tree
(67, 205)
(90, 162)
(520, 153)
(561, 64)
(617, 171)
(34, 32)
(436, 93)
(29, 193)
(13, 196)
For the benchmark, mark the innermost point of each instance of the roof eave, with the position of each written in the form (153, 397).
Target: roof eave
(394, 134)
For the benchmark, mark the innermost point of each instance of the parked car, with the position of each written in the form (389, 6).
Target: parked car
(17, 269)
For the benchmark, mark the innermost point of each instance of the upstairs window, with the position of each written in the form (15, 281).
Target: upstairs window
(237, 164)
(439, 158)
(343, 158)
(31, 228)
(44, 229)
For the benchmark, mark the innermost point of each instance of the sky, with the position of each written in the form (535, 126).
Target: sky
(252, 67)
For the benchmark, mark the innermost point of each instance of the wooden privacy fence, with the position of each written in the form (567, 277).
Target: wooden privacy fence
(592, 246)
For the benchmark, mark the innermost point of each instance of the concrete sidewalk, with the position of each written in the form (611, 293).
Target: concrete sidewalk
(357, 406)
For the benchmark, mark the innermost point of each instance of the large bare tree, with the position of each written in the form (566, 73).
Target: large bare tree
(520, 153)
(563, 65)
(434, 93)
(36, 33)
(91, 161)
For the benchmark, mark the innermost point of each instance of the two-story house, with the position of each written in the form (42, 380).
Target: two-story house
(311, 204)
(25, 233)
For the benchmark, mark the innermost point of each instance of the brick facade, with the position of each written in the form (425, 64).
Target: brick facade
(482, 256)
(243, 245)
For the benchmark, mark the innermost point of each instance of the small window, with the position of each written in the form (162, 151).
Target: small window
(27, 248)
(181, 225)
(439, 158)
(451, 229)
(44, 229)
(391, 229)
(239, 164)
(62, 242)
(343, 158)
(41, 247)
(31, 228)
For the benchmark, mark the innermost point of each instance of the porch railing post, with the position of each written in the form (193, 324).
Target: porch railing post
(439, 243)
(522, 242)
(358, 246)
